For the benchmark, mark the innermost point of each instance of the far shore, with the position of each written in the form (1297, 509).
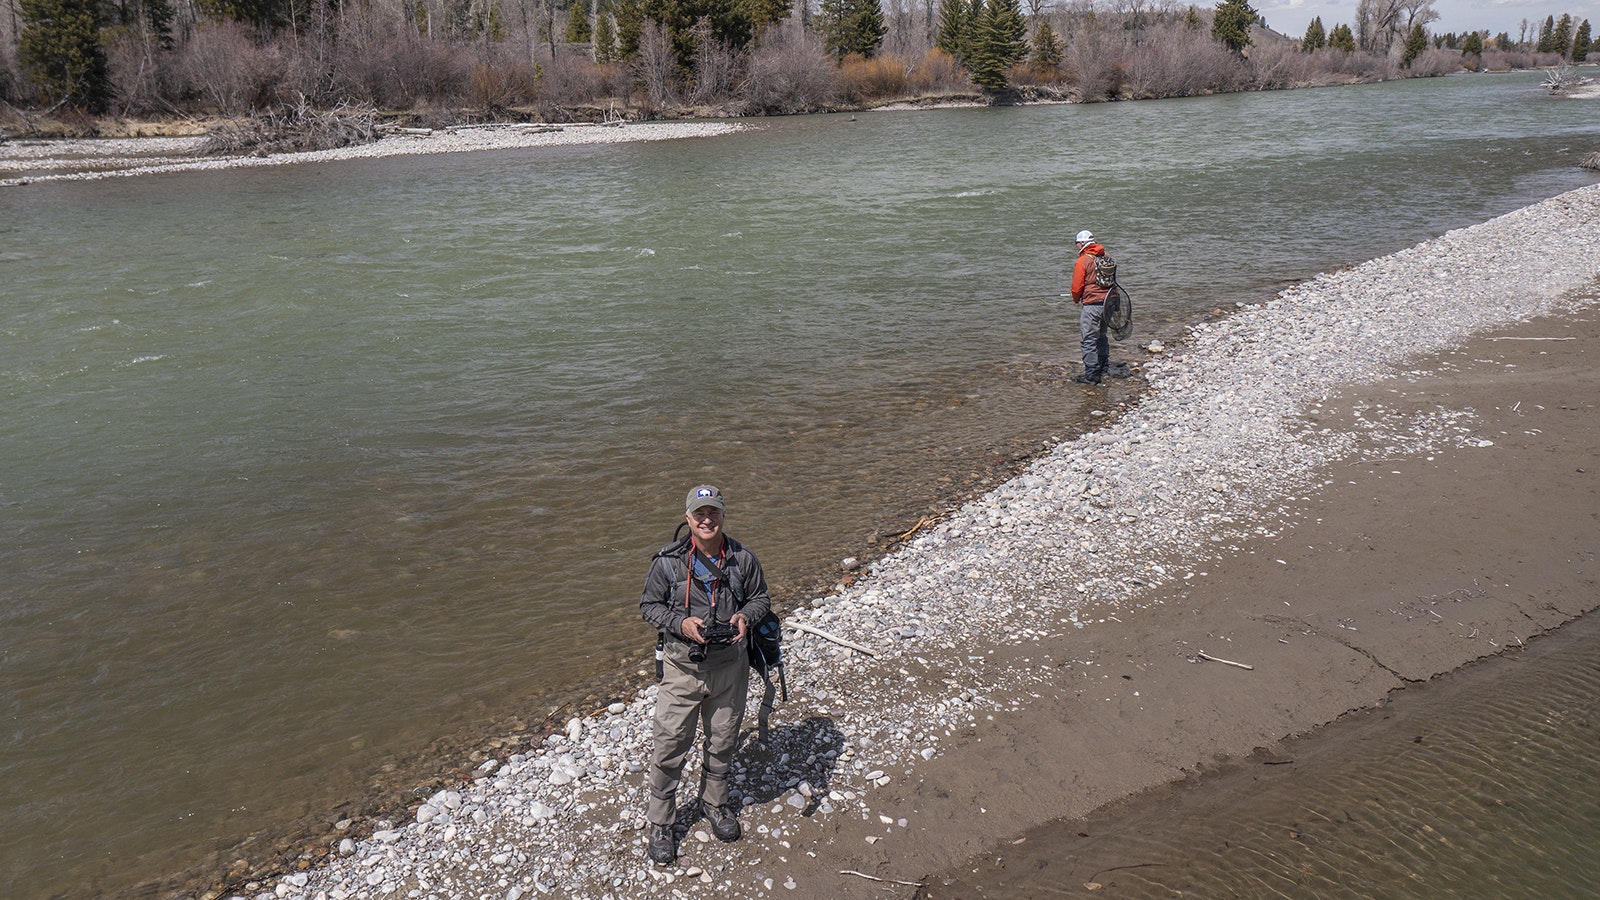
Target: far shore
(167, 147)
(25, 161)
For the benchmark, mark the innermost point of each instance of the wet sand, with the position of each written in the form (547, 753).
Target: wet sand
(1398, 570)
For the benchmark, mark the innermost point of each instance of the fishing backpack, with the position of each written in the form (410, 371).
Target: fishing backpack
(1105, 271)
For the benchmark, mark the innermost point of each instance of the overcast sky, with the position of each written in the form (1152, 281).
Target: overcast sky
(1291, 17)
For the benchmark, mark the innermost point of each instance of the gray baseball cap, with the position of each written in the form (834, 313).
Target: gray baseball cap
(703, 495)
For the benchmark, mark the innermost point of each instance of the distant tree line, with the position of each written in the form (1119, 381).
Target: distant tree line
(1383, 25)
(560, 59)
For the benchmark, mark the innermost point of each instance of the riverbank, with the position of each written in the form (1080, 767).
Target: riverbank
(25, 161)
(1038, 654)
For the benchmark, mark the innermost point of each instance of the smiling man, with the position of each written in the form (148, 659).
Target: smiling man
(702, 593)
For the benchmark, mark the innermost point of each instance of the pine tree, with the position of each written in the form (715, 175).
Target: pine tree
(1561, 37)
(1047, 49)
(1315, 38)
(1473, 45)
(1231, 24)
(629, 27)
(953, 37)
(605, 37)
(1545, 45)
(1342, 38)
(578, 31)
(1191, 18)
(1416, 42)
(851, 27)
(1581, 42)
(765, 12)
(999, 41)
(60, 49)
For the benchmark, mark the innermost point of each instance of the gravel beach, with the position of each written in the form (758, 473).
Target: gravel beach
(24, 161)
(1058, 643)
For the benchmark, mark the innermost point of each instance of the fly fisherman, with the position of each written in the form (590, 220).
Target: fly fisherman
(1088, 292)
(702, 593)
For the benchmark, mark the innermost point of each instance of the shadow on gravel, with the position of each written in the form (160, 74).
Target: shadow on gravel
(804, 752)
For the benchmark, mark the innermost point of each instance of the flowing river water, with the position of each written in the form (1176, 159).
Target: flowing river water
(303, 468)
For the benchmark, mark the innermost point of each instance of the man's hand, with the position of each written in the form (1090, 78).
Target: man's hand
(738, 619)
(691, 629)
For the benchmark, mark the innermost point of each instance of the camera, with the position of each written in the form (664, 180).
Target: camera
(714, 633)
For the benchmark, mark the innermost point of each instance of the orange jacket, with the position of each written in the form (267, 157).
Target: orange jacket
(1084, 289)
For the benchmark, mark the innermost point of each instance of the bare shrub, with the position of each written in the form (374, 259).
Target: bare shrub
(937, 72)
(1495, 60)
(878, 78)
(1351, 66)
(1179, 62)
(1092, 65)
(224, 68)
(573, 79)
(1432, 63)
(1279, 65)
(789, 72)
(502, 80)
(656, 67)
(716, 66)
(142, 75)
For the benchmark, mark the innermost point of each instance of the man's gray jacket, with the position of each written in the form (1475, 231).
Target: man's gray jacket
(662, 603)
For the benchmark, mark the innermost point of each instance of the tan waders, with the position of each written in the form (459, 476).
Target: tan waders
(712, 691)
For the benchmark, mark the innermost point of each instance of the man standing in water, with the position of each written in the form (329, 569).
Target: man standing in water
(702, 594)
(1091, 295)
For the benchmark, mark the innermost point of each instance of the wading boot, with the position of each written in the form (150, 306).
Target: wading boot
(723, 823)
(1086, 378)
(663, 849)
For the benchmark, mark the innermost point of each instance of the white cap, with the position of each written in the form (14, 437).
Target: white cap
(1084, 236)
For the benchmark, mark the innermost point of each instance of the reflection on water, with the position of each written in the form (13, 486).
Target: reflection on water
(306, 467)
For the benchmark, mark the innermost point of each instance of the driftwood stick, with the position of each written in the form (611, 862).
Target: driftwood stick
(832, 637)
(1532, 339)
(876, 878)
(1226, 662)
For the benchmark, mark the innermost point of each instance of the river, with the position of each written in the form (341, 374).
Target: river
(305, 467)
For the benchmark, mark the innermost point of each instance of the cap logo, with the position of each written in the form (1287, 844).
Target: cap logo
(705, 492)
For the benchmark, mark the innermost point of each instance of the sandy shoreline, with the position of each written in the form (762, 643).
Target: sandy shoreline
(1038, 655)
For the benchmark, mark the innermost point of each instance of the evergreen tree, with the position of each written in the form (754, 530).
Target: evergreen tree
(1342, 38)
(605, 37)
(1502, 41)
(1047, 49)
(1473, 45)
(765, 12)
(578, 31)
(1007, 31)
(954, 37)
(1315, 38)
(1416, 42)
(60, 49)
(851, 26)
(1231, 24)
(629, 26)
(1545, 44)
(1581, 42)
(1561, 37)
(1191, 18)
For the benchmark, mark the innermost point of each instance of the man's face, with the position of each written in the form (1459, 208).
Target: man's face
(705, 524)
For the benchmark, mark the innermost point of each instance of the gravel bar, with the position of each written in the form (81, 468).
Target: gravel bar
(1210, 456)
(26, 161)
